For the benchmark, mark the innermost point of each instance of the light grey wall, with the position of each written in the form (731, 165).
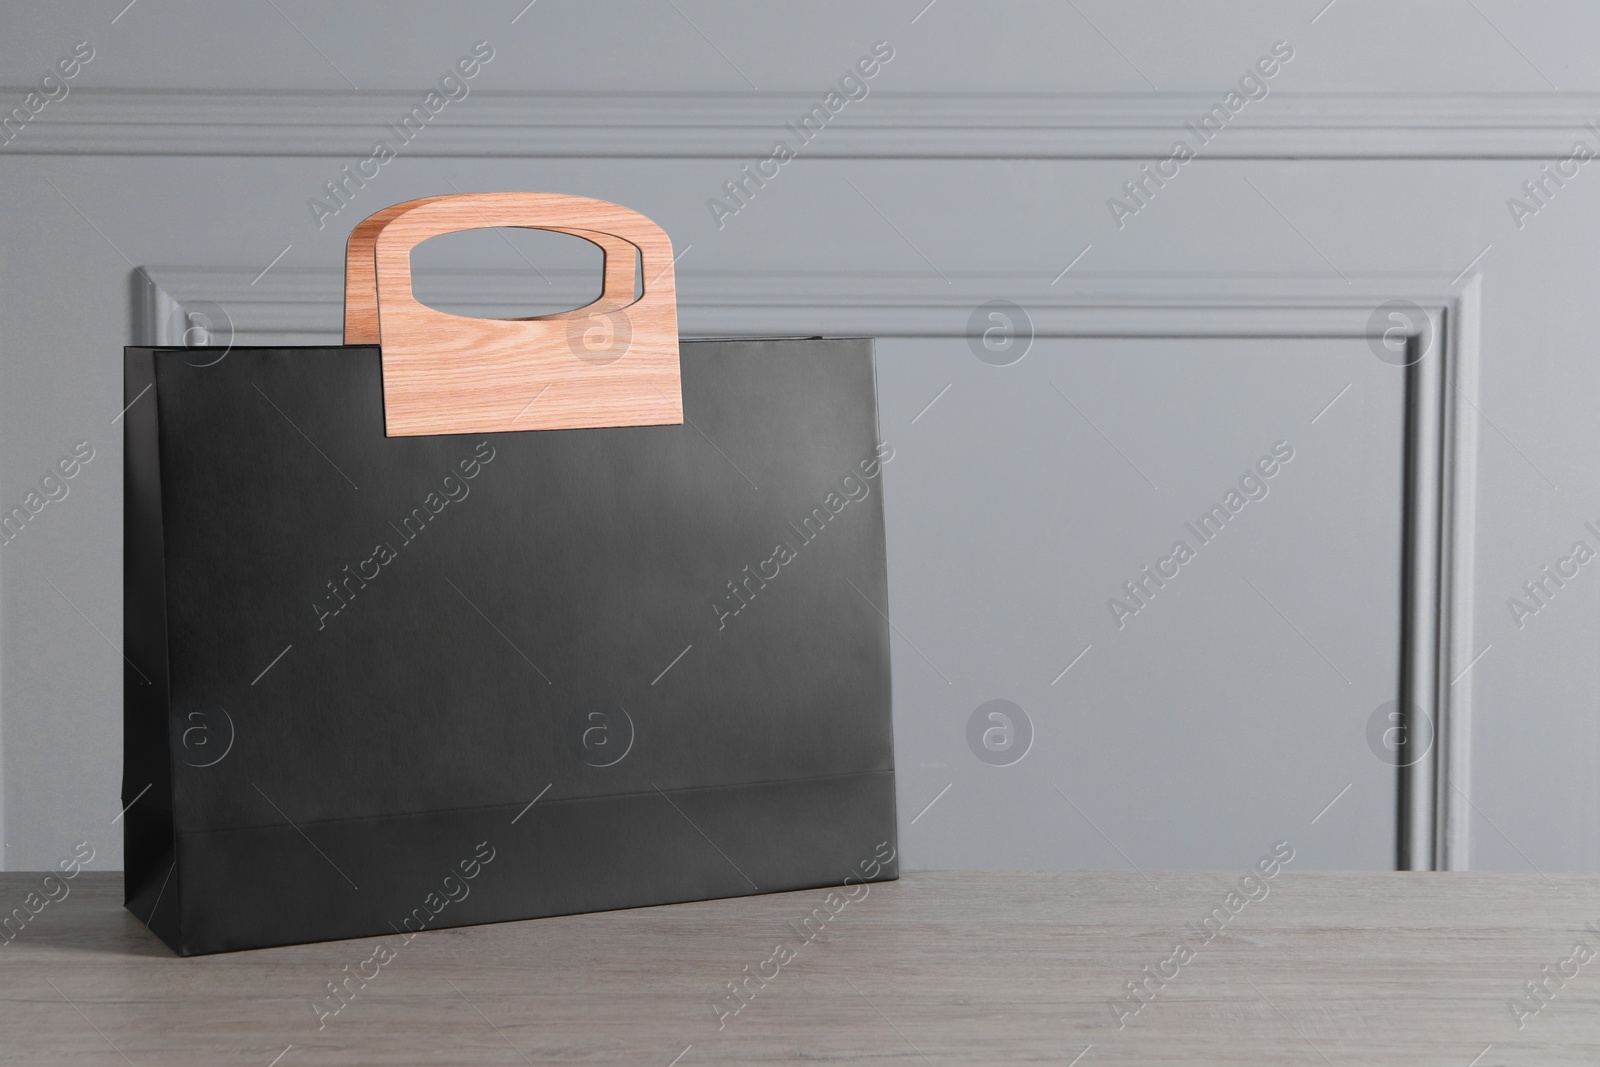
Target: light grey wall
(1388, 145)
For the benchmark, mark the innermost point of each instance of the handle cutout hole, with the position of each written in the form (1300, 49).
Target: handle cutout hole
(508, 272)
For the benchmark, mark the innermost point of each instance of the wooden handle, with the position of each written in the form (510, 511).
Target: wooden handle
(361, 275)
(613, 362)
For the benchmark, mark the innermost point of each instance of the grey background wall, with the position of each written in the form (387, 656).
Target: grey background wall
(1216, 321)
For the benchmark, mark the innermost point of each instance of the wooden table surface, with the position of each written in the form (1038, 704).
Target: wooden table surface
(938, 968)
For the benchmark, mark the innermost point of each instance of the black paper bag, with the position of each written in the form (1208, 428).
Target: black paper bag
(379, 684)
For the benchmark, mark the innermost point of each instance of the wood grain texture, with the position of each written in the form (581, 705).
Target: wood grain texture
(613, 362)
(939, 968)
(361, 275)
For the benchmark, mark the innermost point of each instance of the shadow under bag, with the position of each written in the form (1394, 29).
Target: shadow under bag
(474, 620)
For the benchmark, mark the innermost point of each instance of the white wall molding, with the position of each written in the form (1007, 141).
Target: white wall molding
(304, 306)
(886, 125)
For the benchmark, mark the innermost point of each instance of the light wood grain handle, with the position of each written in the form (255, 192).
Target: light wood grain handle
(613, 362)
(361, 275)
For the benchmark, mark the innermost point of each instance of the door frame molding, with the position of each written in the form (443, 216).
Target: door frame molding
(304, 306)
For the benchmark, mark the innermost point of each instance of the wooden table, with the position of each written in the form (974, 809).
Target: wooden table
(939, 968)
